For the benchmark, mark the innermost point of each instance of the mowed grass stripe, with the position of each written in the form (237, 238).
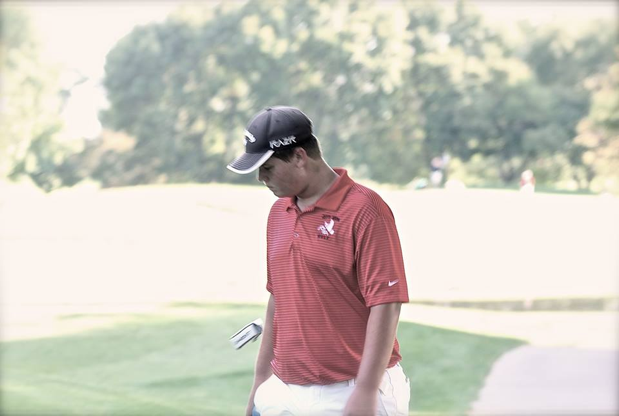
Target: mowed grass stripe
(169, 360)
(168, 243)
(38, 394)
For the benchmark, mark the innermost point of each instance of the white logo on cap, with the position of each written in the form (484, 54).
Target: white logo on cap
(283, 142)
(249, 136)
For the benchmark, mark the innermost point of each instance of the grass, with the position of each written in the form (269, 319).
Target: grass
(447, 368)
(179, 362)
(124, 245)
(154, 364)
(153, 245)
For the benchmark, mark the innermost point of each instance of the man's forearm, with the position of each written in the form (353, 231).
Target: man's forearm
(265, 354)
(379, 339)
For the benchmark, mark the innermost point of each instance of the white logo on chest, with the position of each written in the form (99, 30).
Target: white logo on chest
(327, 228)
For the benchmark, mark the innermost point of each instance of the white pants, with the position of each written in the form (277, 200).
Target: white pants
(274, 397)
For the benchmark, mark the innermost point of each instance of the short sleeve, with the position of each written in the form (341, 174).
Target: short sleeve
(379, 262)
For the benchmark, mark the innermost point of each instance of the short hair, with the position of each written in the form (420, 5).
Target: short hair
(311, 147)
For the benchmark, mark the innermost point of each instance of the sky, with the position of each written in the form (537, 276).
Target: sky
(79, 34)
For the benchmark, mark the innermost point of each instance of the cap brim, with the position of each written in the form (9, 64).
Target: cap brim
(249, 162)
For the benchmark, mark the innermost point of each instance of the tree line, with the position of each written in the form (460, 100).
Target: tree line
(388, 89)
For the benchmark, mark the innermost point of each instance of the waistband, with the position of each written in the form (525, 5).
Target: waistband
(353, 381)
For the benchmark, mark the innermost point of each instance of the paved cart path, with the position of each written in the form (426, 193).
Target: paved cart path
(540, 381)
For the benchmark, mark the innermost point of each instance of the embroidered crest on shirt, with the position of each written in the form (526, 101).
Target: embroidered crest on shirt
(327, 229)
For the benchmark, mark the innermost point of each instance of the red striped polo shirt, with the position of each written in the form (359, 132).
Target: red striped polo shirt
(326, 266)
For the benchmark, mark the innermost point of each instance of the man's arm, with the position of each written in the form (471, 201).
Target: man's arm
(265, 355)
(379, 340)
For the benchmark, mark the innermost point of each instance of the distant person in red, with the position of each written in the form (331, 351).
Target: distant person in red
(527, 181)
(336, 276)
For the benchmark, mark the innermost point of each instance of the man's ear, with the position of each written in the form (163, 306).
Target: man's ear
(299, 157)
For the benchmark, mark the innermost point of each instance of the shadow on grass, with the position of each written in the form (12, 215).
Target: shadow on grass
(447, 368)
(165, 364)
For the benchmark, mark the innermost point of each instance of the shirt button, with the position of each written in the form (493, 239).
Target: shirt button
(296, 235)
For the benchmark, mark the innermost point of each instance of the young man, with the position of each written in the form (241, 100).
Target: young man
(336, 278)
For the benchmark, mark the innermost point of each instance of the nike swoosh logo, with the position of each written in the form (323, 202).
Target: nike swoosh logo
(391, 283)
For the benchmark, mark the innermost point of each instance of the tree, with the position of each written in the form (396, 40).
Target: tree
(599, 132)
(564, 62)
(473, 94)
(385, 87)
(30, 108)
(567, 58)
(185, 88)
(482, 98)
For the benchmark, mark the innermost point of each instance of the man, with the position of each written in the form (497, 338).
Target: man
(336, 277)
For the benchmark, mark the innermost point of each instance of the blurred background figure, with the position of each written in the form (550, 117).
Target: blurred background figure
(438, 166)
(436, 169)
(527, 181)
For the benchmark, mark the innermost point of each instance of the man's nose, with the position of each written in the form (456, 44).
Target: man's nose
(260, 176)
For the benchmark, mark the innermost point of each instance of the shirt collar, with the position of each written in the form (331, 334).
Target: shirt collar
(332, 199)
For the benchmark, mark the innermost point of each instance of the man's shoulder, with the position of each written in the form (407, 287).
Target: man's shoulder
(367, 200)
(279, 205)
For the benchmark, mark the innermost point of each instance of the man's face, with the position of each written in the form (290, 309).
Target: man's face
(280, 177)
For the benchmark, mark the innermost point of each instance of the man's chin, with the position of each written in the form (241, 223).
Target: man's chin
(278, 193)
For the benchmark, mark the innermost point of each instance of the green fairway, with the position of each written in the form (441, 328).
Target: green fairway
(178, 362)
(177, 243)
(447, 368)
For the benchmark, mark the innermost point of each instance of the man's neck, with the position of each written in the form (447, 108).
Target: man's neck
(324, 178)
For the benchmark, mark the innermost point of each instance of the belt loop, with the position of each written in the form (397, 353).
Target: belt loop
(351, 382)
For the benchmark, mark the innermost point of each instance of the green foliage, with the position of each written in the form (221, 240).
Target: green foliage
(599, 133)
(386, 86)
(185, 91)
(560, 57)
(45, 162)
(29, 141)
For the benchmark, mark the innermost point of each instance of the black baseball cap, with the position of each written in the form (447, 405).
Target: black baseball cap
(272, 130)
